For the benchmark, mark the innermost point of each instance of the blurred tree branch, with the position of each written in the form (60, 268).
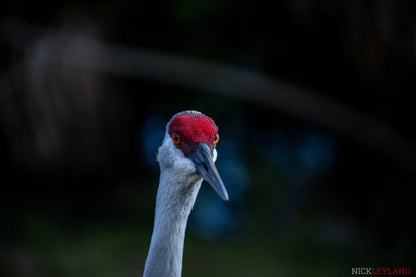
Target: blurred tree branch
(74, 50)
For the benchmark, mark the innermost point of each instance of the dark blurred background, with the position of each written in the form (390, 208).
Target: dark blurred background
(312, 99)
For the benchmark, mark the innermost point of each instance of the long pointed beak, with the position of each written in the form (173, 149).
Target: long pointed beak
(205, 167)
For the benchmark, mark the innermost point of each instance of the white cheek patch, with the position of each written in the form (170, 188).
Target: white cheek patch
(183, 164)
(169, 156)
(214, 155)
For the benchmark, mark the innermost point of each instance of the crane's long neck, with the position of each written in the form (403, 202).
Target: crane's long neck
(175, 199)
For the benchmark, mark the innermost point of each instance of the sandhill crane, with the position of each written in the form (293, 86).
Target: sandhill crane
(186, 157)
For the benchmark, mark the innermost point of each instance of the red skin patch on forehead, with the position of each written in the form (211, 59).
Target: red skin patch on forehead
(193, 129)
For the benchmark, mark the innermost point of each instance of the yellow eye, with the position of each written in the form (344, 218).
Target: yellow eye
(217, 138)
(176, 138)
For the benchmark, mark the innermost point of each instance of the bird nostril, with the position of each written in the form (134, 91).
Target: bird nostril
(205, 167)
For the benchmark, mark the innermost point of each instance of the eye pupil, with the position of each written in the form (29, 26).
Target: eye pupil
(176, 138)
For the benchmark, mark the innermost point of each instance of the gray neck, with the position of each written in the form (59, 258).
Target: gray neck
(173, 204)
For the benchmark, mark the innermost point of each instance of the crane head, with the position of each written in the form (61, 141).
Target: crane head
(196, 136)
